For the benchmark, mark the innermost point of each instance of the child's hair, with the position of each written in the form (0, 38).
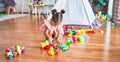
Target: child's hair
(57, 16)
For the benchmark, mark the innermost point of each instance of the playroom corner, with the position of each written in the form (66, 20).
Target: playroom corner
(59, 30)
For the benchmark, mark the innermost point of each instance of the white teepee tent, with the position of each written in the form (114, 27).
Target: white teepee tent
(78, 12)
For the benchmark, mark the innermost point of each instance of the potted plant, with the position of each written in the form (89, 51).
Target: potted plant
(98, 5)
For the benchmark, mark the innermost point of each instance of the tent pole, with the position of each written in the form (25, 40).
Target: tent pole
(87, 15)
(110, 7)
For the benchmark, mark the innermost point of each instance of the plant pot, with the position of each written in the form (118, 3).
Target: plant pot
(95, 9)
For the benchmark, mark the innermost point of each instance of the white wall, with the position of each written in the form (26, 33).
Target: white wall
(19, 5)
(25, 5)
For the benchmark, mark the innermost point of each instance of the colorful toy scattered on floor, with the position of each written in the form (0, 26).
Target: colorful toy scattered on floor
(76, 35)
(73, 36)
(13, 52)
(105, 17)
(33, 17)
(49, 47)
(64, 47)
(101, 31)
(51, 51)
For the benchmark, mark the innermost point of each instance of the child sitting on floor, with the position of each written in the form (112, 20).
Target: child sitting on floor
(53, 28)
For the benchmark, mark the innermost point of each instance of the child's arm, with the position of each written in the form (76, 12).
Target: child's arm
(59, 34)
(48, 35)
(42, 27)
(58, 37)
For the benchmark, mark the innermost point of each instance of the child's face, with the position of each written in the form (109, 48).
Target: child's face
(55, 24)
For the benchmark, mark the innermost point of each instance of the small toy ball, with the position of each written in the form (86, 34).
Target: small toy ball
(51, 48)
(12, 51)
(51, 51)
(75, 33)
(43, 44)
(112, 25)
(80, 38)
(101, 31)
(33, 17)
(22, 50)
(69, 35)
(8, 53)
(70, 32)
(109, 19)
(97, 15)
(68, 43)
(42, 18)
(85, 38)
(19, 53)
(46, 42)
(74, 39)
(66, 27)
(90, 32)
(14, 54)
(112, 20)
(47, 47)
(71, 27)
(79, 32)
(71, 41)
(8, 50)
(10, 56)
(82, 31)
(103, 18)
(45, 16)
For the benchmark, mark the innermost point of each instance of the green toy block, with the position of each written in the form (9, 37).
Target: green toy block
(68, 43)
(112, 25)
(65, 48)
(80, 38)
(70, 32)
(62, 46)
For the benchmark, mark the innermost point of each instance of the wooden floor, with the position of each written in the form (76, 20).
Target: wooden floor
(22, 31)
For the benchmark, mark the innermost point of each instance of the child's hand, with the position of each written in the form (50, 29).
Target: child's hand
(50, 40)
(58, 40)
